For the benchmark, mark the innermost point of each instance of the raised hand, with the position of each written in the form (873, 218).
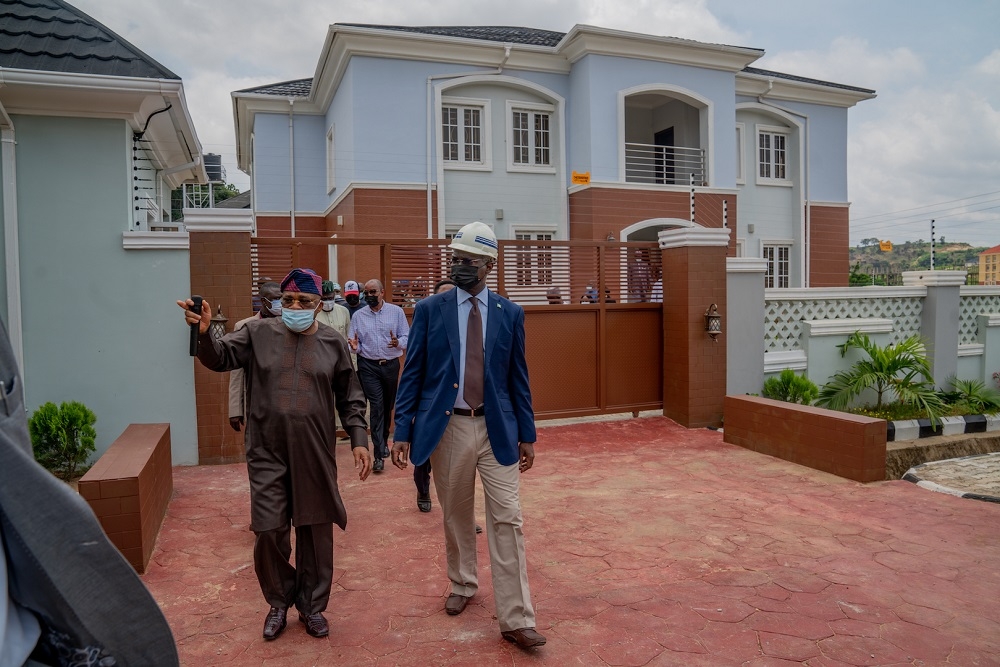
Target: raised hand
(393, 341)
(191, 317)
(353, 342)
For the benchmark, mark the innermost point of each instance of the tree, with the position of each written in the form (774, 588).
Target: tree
(868, 242)
(901, 370)
(62, 438)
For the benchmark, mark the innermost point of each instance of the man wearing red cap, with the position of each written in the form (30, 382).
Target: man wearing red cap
(297, 372)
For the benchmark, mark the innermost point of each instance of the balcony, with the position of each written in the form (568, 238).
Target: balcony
(664, 165)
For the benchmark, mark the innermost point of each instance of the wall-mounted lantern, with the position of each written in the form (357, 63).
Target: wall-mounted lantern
(713, 322)
(218, 326)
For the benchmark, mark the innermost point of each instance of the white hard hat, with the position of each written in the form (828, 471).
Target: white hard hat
(477, 239)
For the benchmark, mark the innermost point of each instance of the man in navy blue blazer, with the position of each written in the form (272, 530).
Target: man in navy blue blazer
(464, 403)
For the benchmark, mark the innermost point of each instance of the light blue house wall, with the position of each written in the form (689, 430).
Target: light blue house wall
(100, 323)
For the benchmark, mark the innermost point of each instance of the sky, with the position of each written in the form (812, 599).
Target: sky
(927, 147)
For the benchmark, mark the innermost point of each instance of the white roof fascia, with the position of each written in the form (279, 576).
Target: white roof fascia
(38, 92)
(797, 91)
(585, 39)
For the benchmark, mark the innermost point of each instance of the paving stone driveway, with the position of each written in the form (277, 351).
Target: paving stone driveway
(648, 544)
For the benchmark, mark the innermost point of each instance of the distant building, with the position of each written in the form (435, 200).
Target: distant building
(989, 266)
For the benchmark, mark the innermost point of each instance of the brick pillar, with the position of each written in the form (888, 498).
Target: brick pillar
(694, 367)
(220, 272)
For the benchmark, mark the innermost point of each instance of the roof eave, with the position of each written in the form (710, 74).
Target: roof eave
(789, 90)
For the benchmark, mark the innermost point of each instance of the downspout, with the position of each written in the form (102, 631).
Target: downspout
(291, 161)
(11, 246)
(430, 125)
(807, 214)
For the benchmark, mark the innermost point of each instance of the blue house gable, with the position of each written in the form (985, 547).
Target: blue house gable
(415, 131)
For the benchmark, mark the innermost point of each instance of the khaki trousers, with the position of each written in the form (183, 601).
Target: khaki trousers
(464, 449)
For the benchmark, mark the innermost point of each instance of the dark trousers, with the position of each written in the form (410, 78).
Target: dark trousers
(379, 382)
(422, 478)
(307, 585)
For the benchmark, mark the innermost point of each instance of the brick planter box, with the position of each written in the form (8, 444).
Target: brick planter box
(129, 488)
(851, 446)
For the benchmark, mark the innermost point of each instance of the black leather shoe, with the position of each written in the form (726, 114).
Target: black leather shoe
(378, 465)
(479, 529)
(274, 623)
(424, 502)
(316, 624)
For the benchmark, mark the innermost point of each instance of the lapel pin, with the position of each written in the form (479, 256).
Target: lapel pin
(499, 306)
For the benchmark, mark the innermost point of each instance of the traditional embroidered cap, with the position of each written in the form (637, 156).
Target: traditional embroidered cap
(336, 287)
(327, 287)
(476, 238)
(302, 280)
(351, 287)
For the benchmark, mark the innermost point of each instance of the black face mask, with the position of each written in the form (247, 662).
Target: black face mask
(371, 301)
(465, 277)
(353, 299)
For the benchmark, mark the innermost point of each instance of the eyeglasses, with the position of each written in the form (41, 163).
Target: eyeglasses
(304, 301)
(465, 261)
(371, 292)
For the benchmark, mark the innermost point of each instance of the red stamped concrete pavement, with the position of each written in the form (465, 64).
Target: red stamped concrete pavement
(647, 544)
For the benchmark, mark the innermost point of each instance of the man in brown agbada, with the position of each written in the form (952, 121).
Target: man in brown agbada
(297, 373)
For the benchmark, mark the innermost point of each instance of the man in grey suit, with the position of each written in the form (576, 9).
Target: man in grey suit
(71, 598)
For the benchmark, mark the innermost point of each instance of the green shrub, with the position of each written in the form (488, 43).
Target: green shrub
(791, 388)
(973, 396)
(63, 437)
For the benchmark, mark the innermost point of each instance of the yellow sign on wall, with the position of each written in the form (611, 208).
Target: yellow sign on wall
(885, 246)
(581, 178)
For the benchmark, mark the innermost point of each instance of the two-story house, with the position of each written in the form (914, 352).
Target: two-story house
(594, 134)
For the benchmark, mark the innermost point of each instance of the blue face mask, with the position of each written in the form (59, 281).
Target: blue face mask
(297, 320)
(276, 307)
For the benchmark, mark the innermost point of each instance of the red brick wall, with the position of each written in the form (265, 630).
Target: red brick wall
(129, 488)
(829, 246)
(840, 443)
(596, 212)
(313, 257)
(694, 367)
(220, 272)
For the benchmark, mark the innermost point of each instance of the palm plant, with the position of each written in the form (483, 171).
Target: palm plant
(974, 396)
(900, 370)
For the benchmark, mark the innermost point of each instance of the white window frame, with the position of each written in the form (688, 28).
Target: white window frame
(741, 154)
(741, 247)
(532, 109)
(786, 181)
(331, 163)
(533, 266)
(485, 162)
(772, 277)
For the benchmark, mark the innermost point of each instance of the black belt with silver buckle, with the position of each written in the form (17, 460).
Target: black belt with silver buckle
(380, 362)
(474, 412)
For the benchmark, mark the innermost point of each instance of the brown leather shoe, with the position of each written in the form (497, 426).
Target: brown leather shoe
(524, 637)
(316, 624)
(274, 623)
(455, 604)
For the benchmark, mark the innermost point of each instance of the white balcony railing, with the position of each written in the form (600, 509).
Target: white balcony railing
(664, 165)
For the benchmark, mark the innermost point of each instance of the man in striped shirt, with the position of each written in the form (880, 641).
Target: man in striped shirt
(378, 335)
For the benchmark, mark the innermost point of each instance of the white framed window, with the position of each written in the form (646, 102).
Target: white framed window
(741, 156)
(772, 155)
(778, 268)
(465, 133)
(529, 137)
(533, 263)
(331, 174)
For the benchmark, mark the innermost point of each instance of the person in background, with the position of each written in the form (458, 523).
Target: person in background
(378, 335)
(333, 315)
(298, 373)
(269, 296)
(554, 296)
(352, 295)
(337, 298)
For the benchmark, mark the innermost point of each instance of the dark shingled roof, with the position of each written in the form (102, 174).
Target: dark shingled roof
(295, 88)
(52, 36)
(490, 33)
(802, 79)
(242, 200)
